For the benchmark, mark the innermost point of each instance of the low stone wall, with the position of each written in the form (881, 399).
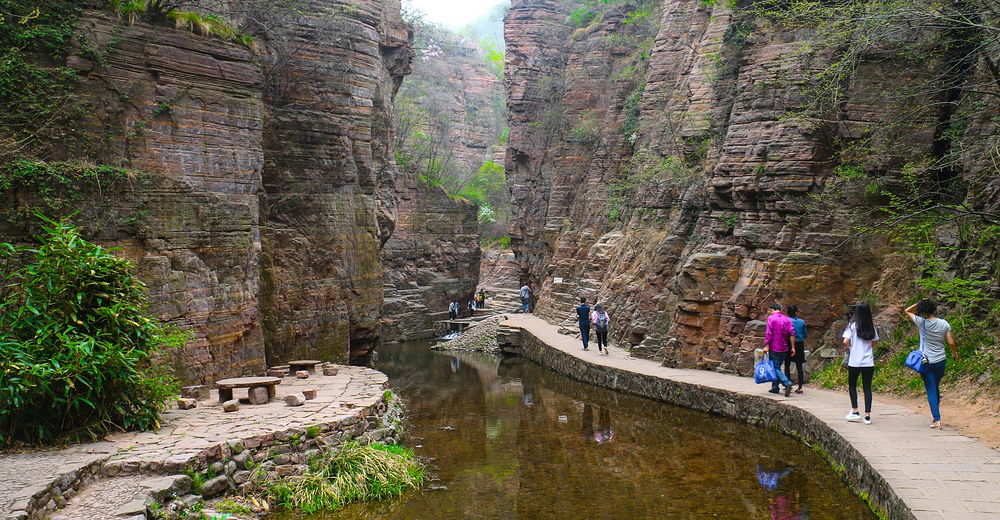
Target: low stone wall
(279, 453)
(55, 494)
(852, 467)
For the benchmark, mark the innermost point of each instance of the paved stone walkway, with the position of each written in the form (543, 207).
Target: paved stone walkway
(186, 435)
(939, 474)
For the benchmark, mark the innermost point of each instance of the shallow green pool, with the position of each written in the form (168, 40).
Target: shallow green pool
(506, 439)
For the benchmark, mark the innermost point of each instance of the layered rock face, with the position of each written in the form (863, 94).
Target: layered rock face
(256, 227)
(329, 180)
(192, 126)
(432, 258)
(687, 207)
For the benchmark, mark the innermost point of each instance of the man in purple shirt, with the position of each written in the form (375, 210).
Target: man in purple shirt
(779, 341)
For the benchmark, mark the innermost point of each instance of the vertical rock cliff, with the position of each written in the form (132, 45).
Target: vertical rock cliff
(657, 164)
(329, 180)
(256, 221)
(185, 113)
(432, 257)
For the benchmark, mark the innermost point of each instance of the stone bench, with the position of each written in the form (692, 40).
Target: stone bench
(226, 387)
(309, 365)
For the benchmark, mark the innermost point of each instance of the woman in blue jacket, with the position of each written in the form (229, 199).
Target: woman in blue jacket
(800, 349)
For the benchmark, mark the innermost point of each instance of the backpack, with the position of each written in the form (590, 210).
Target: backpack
(602, 322)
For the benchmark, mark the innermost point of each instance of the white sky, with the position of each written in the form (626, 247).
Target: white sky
(453, 13)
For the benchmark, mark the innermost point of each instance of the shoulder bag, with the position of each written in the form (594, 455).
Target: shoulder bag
(916, 359)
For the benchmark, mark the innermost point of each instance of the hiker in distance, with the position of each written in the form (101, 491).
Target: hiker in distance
(600, 319)
(778, 340)
(525, 298)
(583, 313)
(934, 332)
(859, 338)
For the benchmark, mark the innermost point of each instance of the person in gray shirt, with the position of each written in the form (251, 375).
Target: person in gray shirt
(934, 332)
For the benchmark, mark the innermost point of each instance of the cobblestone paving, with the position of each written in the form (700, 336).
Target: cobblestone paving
(186, 434)
(24, 474)
(101, 500)
(939, 474)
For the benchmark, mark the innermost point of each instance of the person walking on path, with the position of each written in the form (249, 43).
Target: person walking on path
(780, 336)
(472, 308)
(799, 352)
(583, 313)
(525, 298)
(453, 310)
(934, 332)
(859, 337)
(481, 297)
(600, 319)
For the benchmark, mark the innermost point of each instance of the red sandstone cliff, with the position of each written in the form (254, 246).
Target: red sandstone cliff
(329, 178)
(671, 180)
(257, 226)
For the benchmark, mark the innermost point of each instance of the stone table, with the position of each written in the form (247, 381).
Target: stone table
(308, 365)
(226, 387)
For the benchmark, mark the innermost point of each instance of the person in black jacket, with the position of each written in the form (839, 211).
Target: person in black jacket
(583, 313)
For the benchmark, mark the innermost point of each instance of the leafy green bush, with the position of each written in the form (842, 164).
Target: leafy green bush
(353, 473)
(75, 346)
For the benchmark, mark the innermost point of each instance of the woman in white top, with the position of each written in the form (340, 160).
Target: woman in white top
(934, 332)
(859, 338)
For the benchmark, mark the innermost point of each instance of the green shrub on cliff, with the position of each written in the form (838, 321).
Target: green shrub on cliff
(75, 345)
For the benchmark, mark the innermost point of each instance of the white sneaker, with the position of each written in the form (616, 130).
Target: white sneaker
(853, 416)
(868, 420)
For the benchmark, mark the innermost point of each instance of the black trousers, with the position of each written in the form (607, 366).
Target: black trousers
(866, 374)
(798, 359)
(602, 338)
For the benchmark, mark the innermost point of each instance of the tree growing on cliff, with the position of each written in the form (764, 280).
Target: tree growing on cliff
(76, 347)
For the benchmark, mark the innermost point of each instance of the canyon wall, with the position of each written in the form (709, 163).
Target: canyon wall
(432, 258)
(328, 181)
(657, 165)
(256, 225)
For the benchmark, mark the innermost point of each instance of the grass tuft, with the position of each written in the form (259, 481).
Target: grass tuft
(353, 473)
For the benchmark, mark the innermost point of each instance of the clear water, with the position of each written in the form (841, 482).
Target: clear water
(508, 439)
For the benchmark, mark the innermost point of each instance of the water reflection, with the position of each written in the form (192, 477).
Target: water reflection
(508, 439)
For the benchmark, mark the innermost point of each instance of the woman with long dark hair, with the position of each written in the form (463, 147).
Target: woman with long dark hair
(934, 332)
(859, 338)
(799, 356)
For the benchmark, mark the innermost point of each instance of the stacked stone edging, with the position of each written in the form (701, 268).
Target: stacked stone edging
(852, 467)
(56, 493)
(285, 452)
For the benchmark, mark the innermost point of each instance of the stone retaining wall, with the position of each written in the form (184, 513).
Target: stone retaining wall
(852, 467)
(54, 494)
(280, 453)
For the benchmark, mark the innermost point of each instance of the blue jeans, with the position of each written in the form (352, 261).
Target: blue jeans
(778, 360)
(932, 375)
(585, 333)
(524, 305)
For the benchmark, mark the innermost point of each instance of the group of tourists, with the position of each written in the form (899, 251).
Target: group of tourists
(478, 301)
(784, 343)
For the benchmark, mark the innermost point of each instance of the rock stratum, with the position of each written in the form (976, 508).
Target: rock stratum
(256, 220)
(656, 164)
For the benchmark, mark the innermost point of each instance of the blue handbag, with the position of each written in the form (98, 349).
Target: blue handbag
(763, 371)
(916, 358)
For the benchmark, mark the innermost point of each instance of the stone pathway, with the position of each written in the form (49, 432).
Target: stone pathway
(938, 474)
(185, 438)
